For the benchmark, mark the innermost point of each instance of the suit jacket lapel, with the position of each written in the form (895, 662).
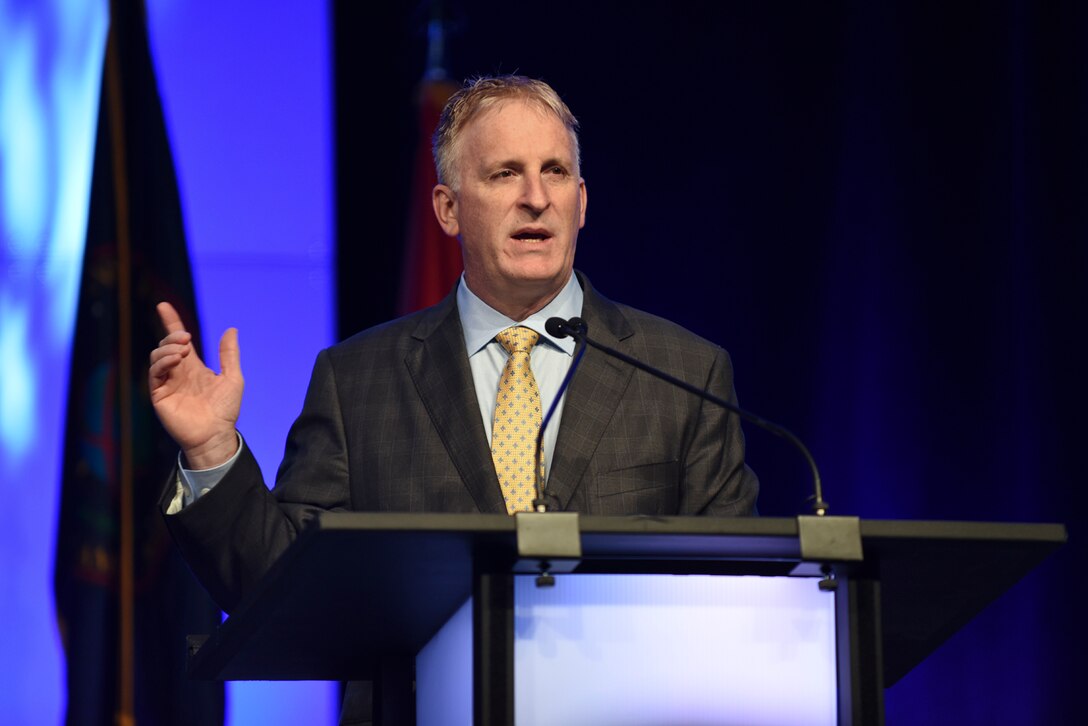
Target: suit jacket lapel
(594, 394)
(440, 370)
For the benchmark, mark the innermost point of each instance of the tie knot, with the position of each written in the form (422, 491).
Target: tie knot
(518, 339)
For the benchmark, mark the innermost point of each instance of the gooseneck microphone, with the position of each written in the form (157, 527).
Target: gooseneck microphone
(576, 328)
(539, 505)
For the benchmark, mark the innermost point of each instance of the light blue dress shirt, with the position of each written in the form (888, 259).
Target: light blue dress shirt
(550, 359)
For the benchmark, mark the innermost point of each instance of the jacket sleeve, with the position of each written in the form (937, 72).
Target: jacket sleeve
(232, 535)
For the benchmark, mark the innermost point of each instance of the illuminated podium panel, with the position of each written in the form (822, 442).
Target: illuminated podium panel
(723, 618)
(644, 650)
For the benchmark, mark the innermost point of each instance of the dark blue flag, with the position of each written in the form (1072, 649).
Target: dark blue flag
(125, 600)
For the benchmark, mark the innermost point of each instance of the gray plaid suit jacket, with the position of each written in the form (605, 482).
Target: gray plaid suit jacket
(391, 423)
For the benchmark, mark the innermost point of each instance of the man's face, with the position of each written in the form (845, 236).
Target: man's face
(517, 205)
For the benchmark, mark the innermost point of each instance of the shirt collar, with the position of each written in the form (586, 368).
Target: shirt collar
(481, 322)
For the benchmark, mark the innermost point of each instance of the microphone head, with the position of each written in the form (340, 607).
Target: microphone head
(577, 328)
(557, 328)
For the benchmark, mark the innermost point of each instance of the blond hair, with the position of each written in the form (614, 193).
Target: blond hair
(482, 93)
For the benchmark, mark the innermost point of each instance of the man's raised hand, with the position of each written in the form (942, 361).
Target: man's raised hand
(198, 408)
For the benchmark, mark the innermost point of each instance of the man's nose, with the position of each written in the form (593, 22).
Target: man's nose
(534, 194)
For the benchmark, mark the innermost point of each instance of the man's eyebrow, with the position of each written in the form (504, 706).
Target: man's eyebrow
(558, 161)
(488, 166)
(519, 165)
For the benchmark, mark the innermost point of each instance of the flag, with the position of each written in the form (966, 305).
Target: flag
(432, 261)
(125, 601)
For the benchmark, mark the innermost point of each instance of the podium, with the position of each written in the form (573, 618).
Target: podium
(358, 592)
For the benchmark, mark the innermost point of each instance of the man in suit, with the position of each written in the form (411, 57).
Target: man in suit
(403, 417)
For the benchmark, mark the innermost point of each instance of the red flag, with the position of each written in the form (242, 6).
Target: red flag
(432, 261)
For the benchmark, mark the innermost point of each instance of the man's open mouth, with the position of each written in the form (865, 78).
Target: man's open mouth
(532, 234)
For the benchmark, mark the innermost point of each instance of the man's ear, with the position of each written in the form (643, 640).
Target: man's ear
(444, 201)
(585, 200)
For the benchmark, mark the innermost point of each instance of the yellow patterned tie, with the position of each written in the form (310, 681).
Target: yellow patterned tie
(517, 421)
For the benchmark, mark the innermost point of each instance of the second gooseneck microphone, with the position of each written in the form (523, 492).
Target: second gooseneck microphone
(576, 328)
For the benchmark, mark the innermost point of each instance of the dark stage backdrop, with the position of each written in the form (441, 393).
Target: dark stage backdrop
(880, 209)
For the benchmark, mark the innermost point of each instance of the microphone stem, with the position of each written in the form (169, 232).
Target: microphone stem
(538, 504)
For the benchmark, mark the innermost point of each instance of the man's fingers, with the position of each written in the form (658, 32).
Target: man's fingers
(180, 336)
(170, 349)
(161, 367)
(169, 317)
(230, 358)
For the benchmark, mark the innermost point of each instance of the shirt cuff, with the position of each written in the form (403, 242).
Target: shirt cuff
(195, 483)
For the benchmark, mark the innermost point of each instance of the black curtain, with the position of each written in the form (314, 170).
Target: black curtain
(878, 208)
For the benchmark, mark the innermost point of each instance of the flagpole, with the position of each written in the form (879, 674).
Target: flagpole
(126, 715)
